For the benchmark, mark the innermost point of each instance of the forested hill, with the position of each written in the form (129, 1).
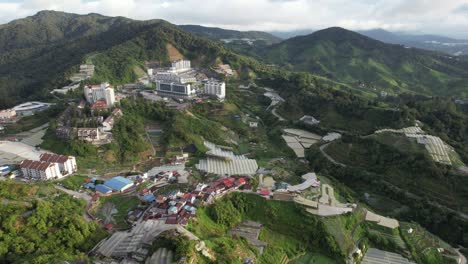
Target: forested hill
(41, 51)
(219, 33)
(48, 27)
(356, 59)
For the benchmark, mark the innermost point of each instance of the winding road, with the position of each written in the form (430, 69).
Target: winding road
(322, 149)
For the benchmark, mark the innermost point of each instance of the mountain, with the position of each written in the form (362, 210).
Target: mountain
(429, 42)
(291, 34)
(38, 53)
(226, 35)
(355, 59)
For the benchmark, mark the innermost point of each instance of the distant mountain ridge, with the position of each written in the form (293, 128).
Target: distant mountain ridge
(356, 59)
(215, 33)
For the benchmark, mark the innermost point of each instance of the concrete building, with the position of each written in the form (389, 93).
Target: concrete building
(67, 164)
(88, 134)
(216, 88)
(180, 65)
(104, 92)
(40, 170)
(66, 89)
(7, 114)
(30, 108)
(174, 89)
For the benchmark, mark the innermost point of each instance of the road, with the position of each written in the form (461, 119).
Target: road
(462, 257)
(82, 195)
(322, 149)
(277, 115)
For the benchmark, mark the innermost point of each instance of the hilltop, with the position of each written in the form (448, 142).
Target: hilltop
(40, 52)
(355, 59)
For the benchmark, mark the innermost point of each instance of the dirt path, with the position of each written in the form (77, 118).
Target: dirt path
(322, 149)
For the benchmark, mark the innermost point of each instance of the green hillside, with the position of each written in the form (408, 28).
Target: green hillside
(30, 67)
(373, 65)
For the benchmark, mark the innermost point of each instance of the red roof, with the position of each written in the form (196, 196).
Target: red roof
(50, 157)
(109, 226)
(264, 192)
(171, 221)
(99, 105)
(95, 197)
(35, 165)
(241, 180)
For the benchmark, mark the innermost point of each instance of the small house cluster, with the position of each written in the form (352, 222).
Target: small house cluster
(177, 207)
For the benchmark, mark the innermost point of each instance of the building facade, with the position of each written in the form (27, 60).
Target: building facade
(7, 114)
(40, 170)
(174, 89)
(216, 88)
(103, 92)
(67, 164)
(180, 65)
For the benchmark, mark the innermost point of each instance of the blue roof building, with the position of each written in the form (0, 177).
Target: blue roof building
(119, 183)
(149, 197)
(103, 189)
(89, 185)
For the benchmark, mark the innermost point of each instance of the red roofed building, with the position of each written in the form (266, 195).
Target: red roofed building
(109, 227)
(67, 164)
(264, 192)
(100, 105)
(40, 170)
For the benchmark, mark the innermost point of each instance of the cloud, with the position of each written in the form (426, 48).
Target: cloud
(430, 16)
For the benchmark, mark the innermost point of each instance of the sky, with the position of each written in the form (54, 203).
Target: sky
(443, 17)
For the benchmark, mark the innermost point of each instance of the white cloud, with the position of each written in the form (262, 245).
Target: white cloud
(448, 17)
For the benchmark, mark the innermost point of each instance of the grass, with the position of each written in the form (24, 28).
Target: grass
(74, 182)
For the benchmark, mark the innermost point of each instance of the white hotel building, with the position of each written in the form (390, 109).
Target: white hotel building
(216, 88)
(104, 92)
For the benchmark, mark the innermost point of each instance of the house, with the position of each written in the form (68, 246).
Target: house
(253, 124)
(67, 164)
(264, 192)
(161, 208)
(171, 220)
(40, 170)
(172, 210)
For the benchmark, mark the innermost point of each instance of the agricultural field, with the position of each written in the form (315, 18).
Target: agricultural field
(424, 245)
(313, 258)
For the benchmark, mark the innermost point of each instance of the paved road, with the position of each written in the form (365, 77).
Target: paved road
(277, 115)
(322, 149)
(462, 257)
